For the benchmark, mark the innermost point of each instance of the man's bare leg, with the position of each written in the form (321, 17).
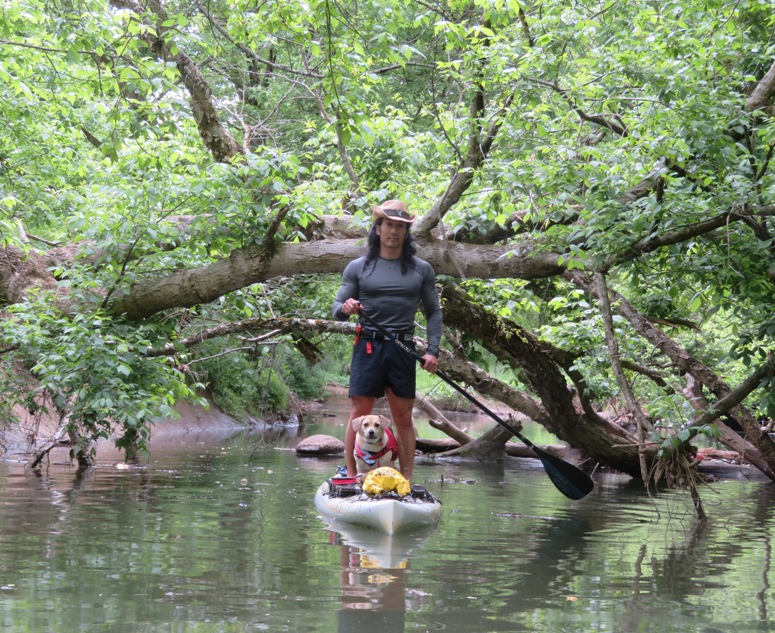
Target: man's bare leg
(401, 411)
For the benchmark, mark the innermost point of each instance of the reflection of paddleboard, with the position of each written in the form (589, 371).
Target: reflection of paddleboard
(379, 550)
(388, 515)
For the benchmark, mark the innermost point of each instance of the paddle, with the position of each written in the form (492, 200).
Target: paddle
(568, 479)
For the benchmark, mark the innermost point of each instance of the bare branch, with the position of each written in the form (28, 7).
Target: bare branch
(613, 354)
(682, 234)
(278, 326)
(734, 398)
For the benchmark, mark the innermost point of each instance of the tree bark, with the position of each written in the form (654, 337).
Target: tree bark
(255, 264)
(763, 92)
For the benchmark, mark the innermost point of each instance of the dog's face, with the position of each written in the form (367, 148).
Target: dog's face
(371, 428)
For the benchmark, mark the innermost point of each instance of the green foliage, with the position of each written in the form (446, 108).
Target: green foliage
(242, 387)
(303, 380)
(247, 384)
(98, 146)
(675, 442)
(91, 370)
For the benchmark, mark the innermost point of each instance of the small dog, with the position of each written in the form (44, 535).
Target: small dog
(375, 444)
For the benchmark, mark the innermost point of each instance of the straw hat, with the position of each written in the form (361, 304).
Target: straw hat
(392, 210)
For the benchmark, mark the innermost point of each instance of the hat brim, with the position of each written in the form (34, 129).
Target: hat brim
(397, 215)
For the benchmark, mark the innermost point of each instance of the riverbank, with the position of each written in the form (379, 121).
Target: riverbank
(30, 432)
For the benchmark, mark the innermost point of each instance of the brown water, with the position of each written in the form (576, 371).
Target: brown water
(220, 535)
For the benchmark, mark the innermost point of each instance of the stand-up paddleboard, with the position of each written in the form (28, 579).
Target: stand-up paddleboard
(389, 513)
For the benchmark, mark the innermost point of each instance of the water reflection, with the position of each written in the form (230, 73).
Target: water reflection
(222, 536)
(373, 578)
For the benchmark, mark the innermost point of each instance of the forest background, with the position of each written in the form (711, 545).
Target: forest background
(181, 185)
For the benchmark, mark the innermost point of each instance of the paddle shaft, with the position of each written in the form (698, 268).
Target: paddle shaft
(568, 479)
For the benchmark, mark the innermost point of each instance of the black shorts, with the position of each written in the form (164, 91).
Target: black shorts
(386, 366)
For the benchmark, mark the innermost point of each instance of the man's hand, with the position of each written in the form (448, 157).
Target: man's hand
(351, 306)
(430, 363)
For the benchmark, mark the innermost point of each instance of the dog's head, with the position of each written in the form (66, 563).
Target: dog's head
(371, 427)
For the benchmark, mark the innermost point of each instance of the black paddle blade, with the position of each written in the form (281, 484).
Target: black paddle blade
(568, 479)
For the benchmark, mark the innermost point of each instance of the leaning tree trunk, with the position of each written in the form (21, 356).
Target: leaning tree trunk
(589, 433)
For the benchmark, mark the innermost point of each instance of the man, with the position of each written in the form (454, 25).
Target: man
(388, 283)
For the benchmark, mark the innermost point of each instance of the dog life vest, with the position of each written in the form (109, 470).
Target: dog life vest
(371, 458)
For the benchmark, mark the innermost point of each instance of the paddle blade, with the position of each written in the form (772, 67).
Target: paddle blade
(568, 479)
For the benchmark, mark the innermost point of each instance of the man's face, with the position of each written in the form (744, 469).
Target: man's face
(392, 233)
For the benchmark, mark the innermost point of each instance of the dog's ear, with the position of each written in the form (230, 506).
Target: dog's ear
(386, 422)
(356, 423)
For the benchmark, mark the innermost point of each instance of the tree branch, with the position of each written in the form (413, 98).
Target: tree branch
(734, 398)
(763, 92)
(214, 135)
(478, 148)
(613, 354)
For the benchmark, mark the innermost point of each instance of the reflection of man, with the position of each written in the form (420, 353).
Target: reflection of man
(373, 598)
(389, 283)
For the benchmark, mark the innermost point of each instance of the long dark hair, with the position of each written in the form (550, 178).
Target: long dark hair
(372, 249)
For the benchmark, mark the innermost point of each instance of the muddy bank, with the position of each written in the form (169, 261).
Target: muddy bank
(28, 433)
(19, 440)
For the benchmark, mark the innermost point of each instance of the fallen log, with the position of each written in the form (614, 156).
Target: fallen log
(512, 449)
(456, 434)
(439, 421)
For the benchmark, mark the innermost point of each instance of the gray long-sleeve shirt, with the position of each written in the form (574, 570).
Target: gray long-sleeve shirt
(392, 298)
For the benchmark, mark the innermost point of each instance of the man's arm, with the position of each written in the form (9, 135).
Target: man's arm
(348, 290)
(433, 313)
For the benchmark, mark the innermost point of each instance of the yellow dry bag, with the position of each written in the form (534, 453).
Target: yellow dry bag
(386, 479)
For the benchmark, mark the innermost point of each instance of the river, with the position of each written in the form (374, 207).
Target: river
(219, 533)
